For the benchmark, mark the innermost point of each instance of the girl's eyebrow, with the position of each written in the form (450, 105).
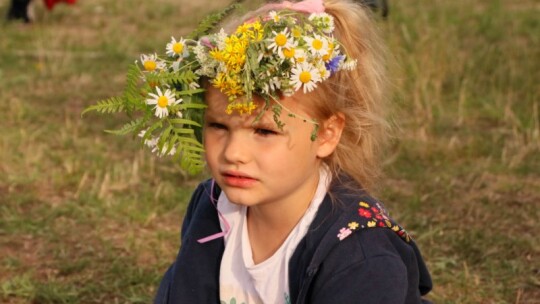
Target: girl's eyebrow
(211, 114)
(263, 124)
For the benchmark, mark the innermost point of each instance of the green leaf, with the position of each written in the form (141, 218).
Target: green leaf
(185, 106)
(193, 149)
(193, 142)
(208, 23)
(131, 92)
(165, 134)
(110, 105)
(183, 131)
(131, 126)
(190, 92)
(151, 129)
(184, 77)
(184, 122)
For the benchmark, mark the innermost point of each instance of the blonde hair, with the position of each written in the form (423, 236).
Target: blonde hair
(360, 94)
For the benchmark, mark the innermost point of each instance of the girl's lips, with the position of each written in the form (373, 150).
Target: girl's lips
(238, 179)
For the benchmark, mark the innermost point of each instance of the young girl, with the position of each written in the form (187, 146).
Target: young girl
(286, 217)
(291, 132)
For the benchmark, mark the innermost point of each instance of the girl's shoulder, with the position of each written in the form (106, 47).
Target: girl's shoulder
(354, 240)
(366, 213)
(359, 211)
(358, 225)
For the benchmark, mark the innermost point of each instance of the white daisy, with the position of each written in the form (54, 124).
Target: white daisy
(300, 55)
(323, 21)
(288, 52)
(177, 48)
(162, 101)
(152, 62)
(305, 75)
(280, 40)
(149, 142)
(323, 72)
(273, 84)
(193, 85)
(274, 15)
(317, 44)
(176, 64)
(349, 65)
(163, 150)
(288, 92)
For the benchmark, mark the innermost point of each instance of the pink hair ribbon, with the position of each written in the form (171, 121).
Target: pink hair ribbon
(225, 223)
(306, 6)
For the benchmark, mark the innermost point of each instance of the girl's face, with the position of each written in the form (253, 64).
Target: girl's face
(255, 162)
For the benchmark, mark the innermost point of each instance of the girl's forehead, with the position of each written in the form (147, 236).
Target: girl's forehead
(216, 111)
(299, 103)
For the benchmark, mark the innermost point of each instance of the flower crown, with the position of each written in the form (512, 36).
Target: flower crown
(277, 54)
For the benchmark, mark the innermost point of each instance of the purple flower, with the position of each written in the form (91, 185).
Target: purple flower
(333, 64)
(206, 42)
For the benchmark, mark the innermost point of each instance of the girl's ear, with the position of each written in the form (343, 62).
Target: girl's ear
(330, 134)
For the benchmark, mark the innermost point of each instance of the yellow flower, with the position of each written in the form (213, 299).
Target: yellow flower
(240, 107)
(242, 29)
(353, 225)
(363, 204)
(217, 55)
(371, 224)
(219, 81)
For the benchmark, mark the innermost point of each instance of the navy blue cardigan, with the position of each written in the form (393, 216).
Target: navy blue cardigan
(352, 253)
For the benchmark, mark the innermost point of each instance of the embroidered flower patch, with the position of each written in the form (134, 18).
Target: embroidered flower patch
(371, 216)
(343, 233)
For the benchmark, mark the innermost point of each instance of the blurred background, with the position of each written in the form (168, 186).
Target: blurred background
(87, 217)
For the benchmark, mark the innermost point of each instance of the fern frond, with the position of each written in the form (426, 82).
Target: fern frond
(208, 23)
(151, 129)
(110, 105)
(131, 126)
(185, 77)
(190, 142)
(185, 106)
(133, 77)
(182, 121)
(190, 92)
(183, 132)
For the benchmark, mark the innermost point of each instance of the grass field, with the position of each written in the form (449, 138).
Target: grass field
(87, 217)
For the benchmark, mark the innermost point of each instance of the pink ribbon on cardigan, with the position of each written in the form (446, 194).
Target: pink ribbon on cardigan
(225, 223)
(306, 6)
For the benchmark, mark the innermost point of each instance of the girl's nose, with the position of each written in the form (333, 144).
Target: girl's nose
(236, 149)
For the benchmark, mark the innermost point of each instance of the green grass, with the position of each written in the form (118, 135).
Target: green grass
(87, 217)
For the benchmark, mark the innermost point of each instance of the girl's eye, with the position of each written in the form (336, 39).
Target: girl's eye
(265, 132)
(215, 125)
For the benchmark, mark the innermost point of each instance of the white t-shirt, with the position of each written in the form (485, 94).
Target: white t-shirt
(240, 280)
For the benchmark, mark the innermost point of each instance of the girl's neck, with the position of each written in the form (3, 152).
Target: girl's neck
(269, 225)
